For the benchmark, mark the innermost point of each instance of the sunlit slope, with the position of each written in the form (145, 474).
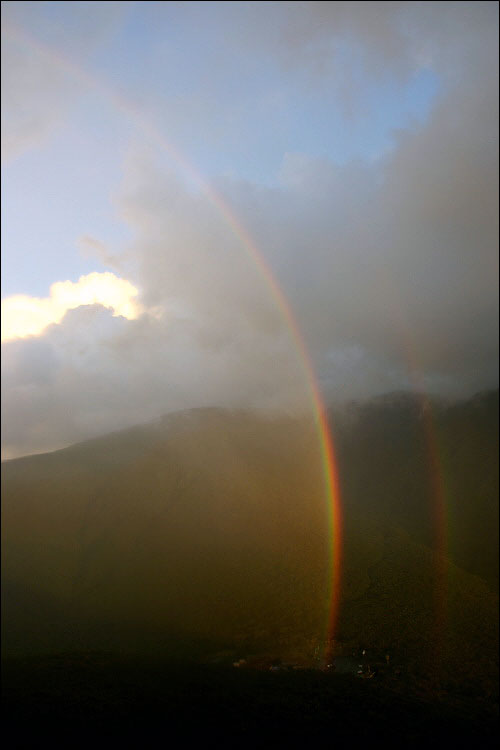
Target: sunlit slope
(399, 462)
(217, 527)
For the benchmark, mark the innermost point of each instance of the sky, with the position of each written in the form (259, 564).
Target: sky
(192, 191)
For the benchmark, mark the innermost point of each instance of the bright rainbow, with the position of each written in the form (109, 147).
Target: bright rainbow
(330, 472)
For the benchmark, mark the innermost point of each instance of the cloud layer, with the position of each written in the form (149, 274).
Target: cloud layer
(390, 266)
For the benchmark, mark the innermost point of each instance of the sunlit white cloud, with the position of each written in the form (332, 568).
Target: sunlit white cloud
(24, 316)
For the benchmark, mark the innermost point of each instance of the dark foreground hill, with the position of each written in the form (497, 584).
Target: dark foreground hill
(79, 699)
(203, 538)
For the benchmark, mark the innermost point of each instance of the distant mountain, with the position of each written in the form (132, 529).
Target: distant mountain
(210, 525)
(403, 456)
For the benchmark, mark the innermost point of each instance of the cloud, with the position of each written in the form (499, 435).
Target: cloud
(390, 267)
(95, 373)
(24, 316)
(90, 247)
(395, 260)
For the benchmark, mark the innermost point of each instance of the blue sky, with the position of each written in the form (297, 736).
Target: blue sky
(235, 116)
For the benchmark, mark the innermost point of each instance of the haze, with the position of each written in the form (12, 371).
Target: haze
(356, 144)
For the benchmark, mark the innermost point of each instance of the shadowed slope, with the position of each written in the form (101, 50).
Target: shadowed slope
(206, 523)
(387, 472)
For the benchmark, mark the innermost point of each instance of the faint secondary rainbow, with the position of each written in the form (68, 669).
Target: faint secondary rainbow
(329, 464)
(435, 464)
(439, 510)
